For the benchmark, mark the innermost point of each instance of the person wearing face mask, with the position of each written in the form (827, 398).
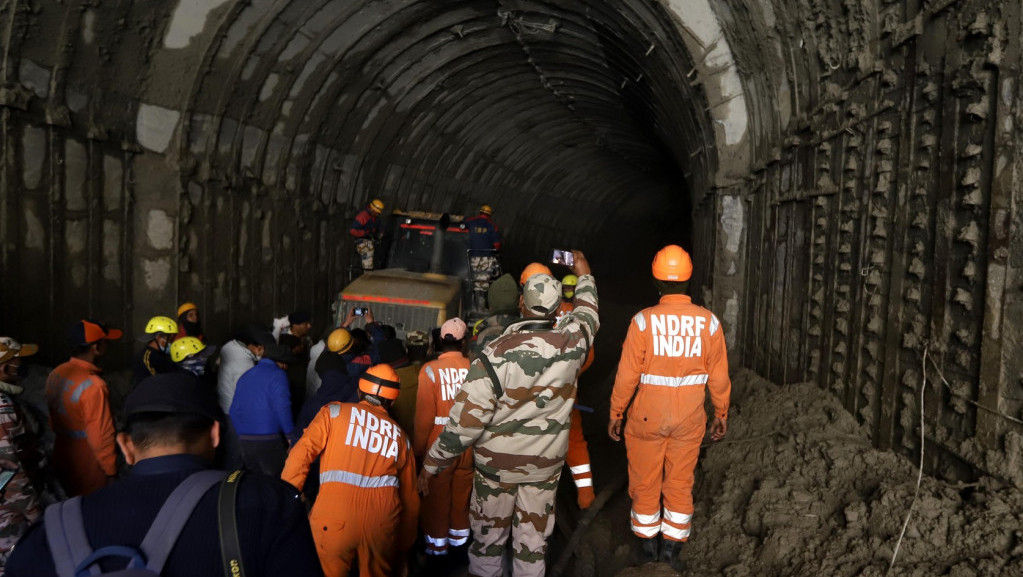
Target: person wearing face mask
(189, 324)
(155, 358)
(191, 354)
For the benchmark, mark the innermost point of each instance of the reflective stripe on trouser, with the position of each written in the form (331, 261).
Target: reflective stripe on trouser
(483, 269)
(661, 470)
(364, 247)
(525, 511)
(444, 511)
(578, 459)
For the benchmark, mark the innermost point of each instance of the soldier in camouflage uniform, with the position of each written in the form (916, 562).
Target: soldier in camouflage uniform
(19, 501)
(514, 410)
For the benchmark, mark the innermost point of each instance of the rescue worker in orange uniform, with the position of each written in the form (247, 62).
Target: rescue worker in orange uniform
(578, 456)
(367, 506)
(84, 448)
(444, 516)
(674, 353)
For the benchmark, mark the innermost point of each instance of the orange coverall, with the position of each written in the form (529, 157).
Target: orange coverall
(83, 450)
(673, 353)
(445, 513)
(367, 505)
(578, 456)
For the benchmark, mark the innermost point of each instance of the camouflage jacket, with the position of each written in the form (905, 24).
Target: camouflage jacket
(487, 330)
(521, 434)
(19, 502)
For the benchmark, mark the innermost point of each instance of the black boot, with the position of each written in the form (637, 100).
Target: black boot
(649, 549)
(670, 554)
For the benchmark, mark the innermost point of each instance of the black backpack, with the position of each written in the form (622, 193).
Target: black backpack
(74, 557)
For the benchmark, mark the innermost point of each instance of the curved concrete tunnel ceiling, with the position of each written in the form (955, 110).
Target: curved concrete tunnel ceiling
(845, 173)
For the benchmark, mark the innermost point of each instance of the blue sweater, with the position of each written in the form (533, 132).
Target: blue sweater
(262, 402)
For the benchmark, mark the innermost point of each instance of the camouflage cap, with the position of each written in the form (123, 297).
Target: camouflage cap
(542, 294)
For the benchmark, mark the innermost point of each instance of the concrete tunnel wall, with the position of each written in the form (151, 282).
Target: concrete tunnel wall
(845, 172)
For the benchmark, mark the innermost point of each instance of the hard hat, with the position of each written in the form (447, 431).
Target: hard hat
(376, 205)
(672, 263)
(185, 347)
(485, 209)
(570, 280)
(381, 381)
(164, 325)
(185, 307)
(532, 269)
(339, 341)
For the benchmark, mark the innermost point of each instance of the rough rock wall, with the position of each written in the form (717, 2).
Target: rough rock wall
(885, 223)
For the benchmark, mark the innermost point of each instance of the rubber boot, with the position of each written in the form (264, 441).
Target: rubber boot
(649, 549)
(670, 554)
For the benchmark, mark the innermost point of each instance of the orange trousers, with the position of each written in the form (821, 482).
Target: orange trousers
(359, 524)
(578, 459)
(662, 461)
(444, 512)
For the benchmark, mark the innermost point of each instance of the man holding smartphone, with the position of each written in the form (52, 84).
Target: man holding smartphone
(519, 447)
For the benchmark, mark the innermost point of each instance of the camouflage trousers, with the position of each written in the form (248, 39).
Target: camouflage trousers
(522, 511)
(484, 270)
(364, 247)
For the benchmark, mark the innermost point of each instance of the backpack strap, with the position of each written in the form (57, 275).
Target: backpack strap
(65, 534)
(227, 521)
(495, 383)
(170, 521)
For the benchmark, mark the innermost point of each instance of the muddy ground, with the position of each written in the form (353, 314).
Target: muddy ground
(797, 490)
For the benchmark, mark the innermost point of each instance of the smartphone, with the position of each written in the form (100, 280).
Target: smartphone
(563, 257)
(360, 311)
(5, 477)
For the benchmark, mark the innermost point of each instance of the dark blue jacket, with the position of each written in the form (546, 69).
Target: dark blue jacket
(483, 236)
(335, 385)
(272, 524)
(262, 402)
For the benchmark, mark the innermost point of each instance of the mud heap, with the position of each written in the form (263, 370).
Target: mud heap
(798, 490)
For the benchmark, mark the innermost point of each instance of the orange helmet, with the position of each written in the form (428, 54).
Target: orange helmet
(381, 381)
(671, 263)
(532, 269)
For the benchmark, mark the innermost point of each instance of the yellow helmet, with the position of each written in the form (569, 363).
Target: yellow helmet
(185, 307)
(185, 347)
(377, 206)
(485, 209)
(339, 341)
(165, 325)
(568, 285)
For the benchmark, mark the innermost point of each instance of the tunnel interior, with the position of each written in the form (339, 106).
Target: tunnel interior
(845, 174)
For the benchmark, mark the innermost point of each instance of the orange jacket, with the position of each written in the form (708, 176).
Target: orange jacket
(83, 451)
(362, 449)
(675, 350)
(439, 382)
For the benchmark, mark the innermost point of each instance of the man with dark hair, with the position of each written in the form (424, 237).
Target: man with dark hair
(261, 411)
(84, 458)
(170, 438)
(445, 510)
(367, 506)
(296, 338)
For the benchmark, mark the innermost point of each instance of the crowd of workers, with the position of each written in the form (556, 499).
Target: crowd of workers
(459, 436)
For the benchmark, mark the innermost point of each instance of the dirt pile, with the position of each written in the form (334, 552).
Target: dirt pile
(796, 489)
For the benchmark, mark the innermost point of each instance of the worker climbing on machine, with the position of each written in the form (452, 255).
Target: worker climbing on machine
(484, 242)
(189, 324)
(367, 506)
(366, 232)
(154, 358)
(445, 512)
(673, 353)
(519, 446)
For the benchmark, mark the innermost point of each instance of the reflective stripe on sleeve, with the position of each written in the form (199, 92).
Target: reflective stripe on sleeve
(358, 480)
(335, 411)
(429, 373)
(640, 321)
(440, 421)
(585, 482)
(714, 324)
(673, 381)
(580, 469)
